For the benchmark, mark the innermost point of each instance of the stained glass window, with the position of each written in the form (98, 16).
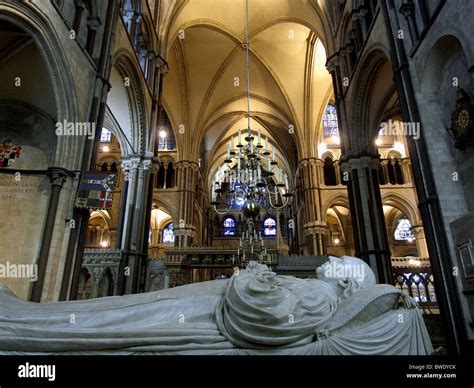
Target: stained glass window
(403, 231)
(269, 227)
(105, 135)
(330, 126)
(168, 234)
(229, 227)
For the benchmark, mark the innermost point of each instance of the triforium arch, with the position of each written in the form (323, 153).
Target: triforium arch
(137, 104)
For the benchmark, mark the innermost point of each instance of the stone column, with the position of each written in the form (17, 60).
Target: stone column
(392, 162)
(361, 16)
(136, 29)
(407, 9)
(282, 248)
(186, 177)
(130, 171)
(370, 235)
(350, 50)
(314, 227)
(406, 170)
(58, 177)
(384, 163)
(165, 166)
(355, 40)
(345, 58)
(337, 169)
(151, 68)
(80, 6)
(93, 25)
(421, 246)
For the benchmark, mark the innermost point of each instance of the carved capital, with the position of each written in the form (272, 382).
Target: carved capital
(129, 167)
(332, 63)
(130, 164)
(304, 163)
(407, 9)
(58, 176)
(93, 23)
(161, 65)
(315, 227)
(360, 163)
(80, 4)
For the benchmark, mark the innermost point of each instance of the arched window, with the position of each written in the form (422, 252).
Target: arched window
(269, 227)
(105, 135)
(229, 227)
(169, 175)
(395, 174)
(398, 173)
(160, 180)
(168, 234)
(104, 167)
(329, 172)
(330, 126)
(381, 174)
(403, 231)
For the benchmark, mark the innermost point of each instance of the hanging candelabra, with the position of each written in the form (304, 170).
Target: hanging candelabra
(250, 178)
(247, 181)
(251, 245)
(252, 181)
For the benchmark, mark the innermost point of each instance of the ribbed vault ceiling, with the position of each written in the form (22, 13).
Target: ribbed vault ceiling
(205, 88)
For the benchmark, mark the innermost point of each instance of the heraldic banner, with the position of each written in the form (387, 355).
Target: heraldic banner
(95, 190)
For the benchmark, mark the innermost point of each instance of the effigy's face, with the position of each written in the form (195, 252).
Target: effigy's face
(326, 271)
(359, 271)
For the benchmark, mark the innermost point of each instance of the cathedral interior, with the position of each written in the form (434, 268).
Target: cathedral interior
(124, 125)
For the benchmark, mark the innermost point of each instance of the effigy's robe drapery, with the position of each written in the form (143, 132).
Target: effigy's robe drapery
(262, 310)
(254, 313)
(171, 320)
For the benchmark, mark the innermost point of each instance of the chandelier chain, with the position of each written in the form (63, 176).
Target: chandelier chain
(247, 54)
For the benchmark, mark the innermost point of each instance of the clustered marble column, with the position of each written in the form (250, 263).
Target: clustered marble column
(132, 239)
(186, 179)
(315, 226)
(370, 235)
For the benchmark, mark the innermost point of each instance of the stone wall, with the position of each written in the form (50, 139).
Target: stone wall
(24, 196)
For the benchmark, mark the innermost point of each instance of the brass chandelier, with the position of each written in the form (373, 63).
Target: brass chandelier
(250, 181)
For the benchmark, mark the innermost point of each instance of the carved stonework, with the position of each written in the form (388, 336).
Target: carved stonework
(58, 176)
(97, 261)
(156, 281)
(370, 162)
(178, 278)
